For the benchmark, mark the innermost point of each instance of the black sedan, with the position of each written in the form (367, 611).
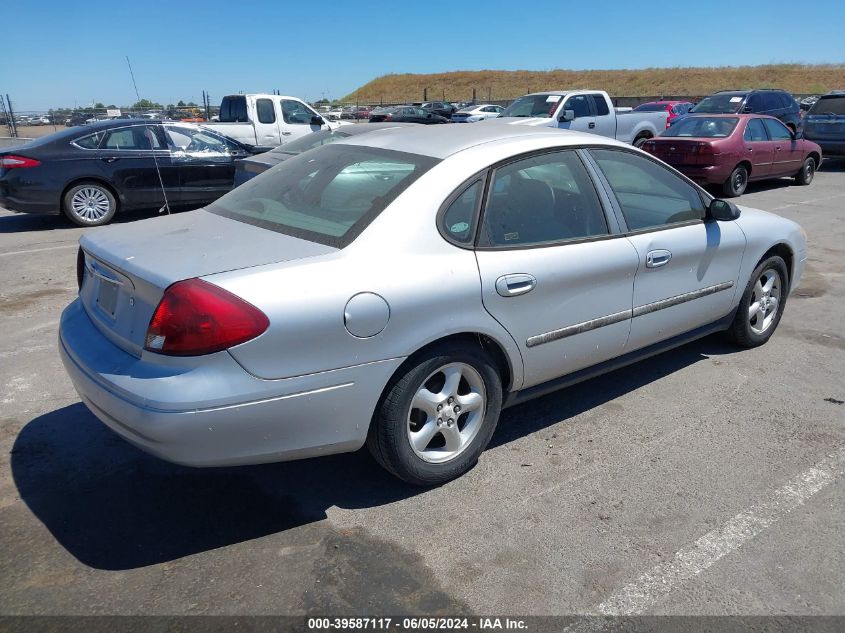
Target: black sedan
(249, 167)
(406, 114)
(90, 172)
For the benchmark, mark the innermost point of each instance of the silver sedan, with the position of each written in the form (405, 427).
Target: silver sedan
(400, 288)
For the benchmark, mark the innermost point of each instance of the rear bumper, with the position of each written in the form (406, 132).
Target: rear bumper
(208, 411)
(28, 201)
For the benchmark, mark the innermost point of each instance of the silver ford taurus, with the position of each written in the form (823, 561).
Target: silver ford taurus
(400, 288)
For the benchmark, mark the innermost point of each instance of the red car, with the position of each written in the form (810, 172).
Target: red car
(733, 149)
(674, 108)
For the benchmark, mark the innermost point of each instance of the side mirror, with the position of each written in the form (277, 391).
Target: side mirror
(568, 115)
(723, 210)
(317, 120)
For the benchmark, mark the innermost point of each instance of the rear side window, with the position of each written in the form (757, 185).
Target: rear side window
(327, 195)
(92, 141)
(459, 217)
(777, 130)
(755, 131)
(140, 137)
(650, 195)
(266, 111)
(601, 105)
(546, 198)
(233, 110)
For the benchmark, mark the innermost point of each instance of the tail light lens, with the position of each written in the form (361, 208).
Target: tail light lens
(703, 149)
(10, 161)
(195, 317)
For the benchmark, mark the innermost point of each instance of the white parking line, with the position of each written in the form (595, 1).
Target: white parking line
(636, 597)
(39, 250)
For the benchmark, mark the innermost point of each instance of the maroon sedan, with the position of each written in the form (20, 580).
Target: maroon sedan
(733, 149)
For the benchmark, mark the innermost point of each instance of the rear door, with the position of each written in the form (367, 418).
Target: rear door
(788, 156)
(136, 160)
(555, 272)
(688, 268)
(758, 148)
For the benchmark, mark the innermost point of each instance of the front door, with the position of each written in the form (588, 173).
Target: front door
(688, 267)
(296, 120)
(205, 163)
(549, 272)
(787, 156)
(584, 121)
(757, 148)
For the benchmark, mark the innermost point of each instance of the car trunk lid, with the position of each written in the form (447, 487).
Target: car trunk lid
(128, 267)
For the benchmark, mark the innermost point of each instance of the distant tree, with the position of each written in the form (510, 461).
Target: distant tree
(111, 107)
(99, 105)
(145, 104)
(191, 104)
(322, 101)
(181, 104)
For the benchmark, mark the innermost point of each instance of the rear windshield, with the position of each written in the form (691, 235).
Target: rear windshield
(720, 104)
(651, 107)
(310, 141)
(829, 105)
(328, 195)
(542, 106)
(233, 110)
(703, 127)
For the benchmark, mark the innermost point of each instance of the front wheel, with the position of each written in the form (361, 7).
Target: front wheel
(736, 183)
(89, 204)
(808, 171)
(762, 304)
(437, 416)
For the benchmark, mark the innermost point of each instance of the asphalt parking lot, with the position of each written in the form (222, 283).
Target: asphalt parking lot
(707, 480)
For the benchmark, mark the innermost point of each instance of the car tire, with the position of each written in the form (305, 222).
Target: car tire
(89, 204)
(459, 391)
(639, 141)
(736, 183)
(756, 318)
(808, 171)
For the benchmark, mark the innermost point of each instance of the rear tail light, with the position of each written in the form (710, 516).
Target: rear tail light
(10, 161)
(195, 317)
(703, 149)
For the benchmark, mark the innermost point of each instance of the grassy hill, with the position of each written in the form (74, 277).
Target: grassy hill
(506, 84)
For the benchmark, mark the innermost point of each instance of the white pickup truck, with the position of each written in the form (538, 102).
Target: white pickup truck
(267, 121)
(584, 111)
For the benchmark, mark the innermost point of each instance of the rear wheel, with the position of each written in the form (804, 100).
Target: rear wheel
(437, 416)
(89, 204)
(762, 304)
(638, 142)
(736, 183)
(808, 171)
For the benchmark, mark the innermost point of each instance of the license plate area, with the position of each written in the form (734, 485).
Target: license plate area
(107, 296)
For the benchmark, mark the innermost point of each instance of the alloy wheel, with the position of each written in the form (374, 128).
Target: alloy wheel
(765, 298)
(90, 204)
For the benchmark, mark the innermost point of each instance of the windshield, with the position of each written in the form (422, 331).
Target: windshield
(719, 104)
(542, 106)
(310, 141)
(829, 105)
(328, 195)
(651, 107)
(703, 127)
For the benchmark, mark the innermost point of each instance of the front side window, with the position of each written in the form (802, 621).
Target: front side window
(650, 195)
(754, 131)
(296, 113)
(327, 195)
(545, 198)
(756, 103)
(542, 106)
(198, 142)
(578, 104)
(777, 130)
(266, 111)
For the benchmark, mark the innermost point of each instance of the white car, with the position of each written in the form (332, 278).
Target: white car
(470, 114)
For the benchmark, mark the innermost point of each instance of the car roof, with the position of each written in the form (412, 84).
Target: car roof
(441, 141)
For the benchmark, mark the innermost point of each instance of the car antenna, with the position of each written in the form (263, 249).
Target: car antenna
(166, 206)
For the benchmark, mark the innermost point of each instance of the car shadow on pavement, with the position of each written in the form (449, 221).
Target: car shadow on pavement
(114, 507)
(26, 222)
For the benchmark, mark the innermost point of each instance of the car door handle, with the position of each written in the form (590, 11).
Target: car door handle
(591, 125)
(110, 159)
(286, 133)
(749, 149)
(658, 258)
(515, 284)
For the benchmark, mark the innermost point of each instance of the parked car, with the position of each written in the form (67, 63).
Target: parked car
(474, 113)
(824, 123)
(807, 102)
(91, 172)
(440, 108)
(383, 299)
(265, 121)
(406, 114)
(732, 150)
(250, 167)
(776, 103)
(674, 108)
(583, 111)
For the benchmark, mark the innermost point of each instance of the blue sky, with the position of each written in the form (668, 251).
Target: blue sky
(66, 54)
